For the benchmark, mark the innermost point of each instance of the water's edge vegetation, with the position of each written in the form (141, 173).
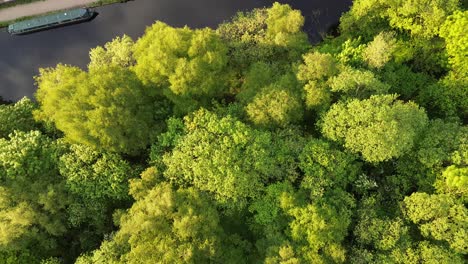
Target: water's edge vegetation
(248, 144)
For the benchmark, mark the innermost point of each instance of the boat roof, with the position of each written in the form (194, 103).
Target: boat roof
(47, 19)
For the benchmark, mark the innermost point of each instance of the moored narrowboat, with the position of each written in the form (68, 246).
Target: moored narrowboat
(51, 21)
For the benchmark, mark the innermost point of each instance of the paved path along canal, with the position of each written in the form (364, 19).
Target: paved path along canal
(40, 7)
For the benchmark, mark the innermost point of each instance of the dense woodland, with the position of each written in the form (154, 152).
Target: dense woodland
(248, 144)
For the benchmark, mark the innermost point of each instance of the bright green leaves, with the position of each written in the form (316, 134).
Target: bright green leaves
(106, 109)
(380, 226)
(186, 64)
(118, 52)
(417, 24)
(27, 157)
(456, 39)
(326, 167)
(274, 106)
(380, 128)
(33, 200)
(421, 17)
(95, 175)
(454, 181)
(380, 50)
(268, 208)
(97, 183)
(317, 66)
(225, 157)
(170, 226)
(443, 143)
(317, 95)
(366, 18)
(266, 35)
(17, 117)
(254, 178)
(357, 83)
(284, 26)
(283, 19)
(440, 217)
(295, 228)
(271, 97)
(320, 226)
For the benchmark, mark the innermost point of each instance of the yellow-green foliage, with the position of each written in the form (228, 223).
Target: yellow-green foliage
(456, 39)
(379, 128)
(246, 144)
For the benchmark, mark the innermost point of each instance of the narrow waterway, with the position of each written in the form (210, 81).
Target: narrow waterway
(22, 56)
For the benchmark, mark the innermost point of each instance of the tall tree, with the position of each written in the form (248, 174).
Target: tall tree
(440, 217)
(33, 198)
(170, 226)
(188, 66)
(17, 116)
(106, 109)
(380, 128)
(118, 52)
(268, 35)
(227, 158)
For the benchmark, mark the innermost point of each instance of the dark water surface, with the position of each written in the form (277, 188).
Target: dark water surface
(22, 56)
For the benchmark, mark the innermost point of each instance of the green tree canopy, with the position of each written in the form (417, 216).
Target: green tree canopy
(380, 50)
(33, 198)
(357, 83)
(269, 35)
(325, 167)
(188, 66)
(106, 109)
(227, 158)
(422, 18)
(440, 217)
(118, 52)
(380, 128)
(98, 183)
(453, 31)
(170, 226)
(17, 116)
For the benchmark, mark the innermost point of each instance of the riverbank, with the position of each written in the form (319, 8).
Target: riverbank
(20, 12)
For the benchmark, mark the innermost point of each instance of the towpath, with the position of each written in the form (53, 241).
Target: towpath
(40, 7)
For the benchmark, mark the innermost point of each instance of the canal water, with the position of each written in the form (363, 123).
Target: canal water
(22, 56)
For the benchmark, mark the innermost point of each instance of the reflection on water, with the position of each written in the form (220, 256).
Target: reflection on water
(21, 56)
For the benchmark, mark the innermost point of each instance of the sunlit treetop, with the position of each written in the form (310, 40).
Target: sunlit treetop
(379, 128)
(118, 52)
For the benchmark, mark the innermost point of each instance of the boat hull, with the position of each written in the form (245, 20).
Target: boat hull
(88, 16)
